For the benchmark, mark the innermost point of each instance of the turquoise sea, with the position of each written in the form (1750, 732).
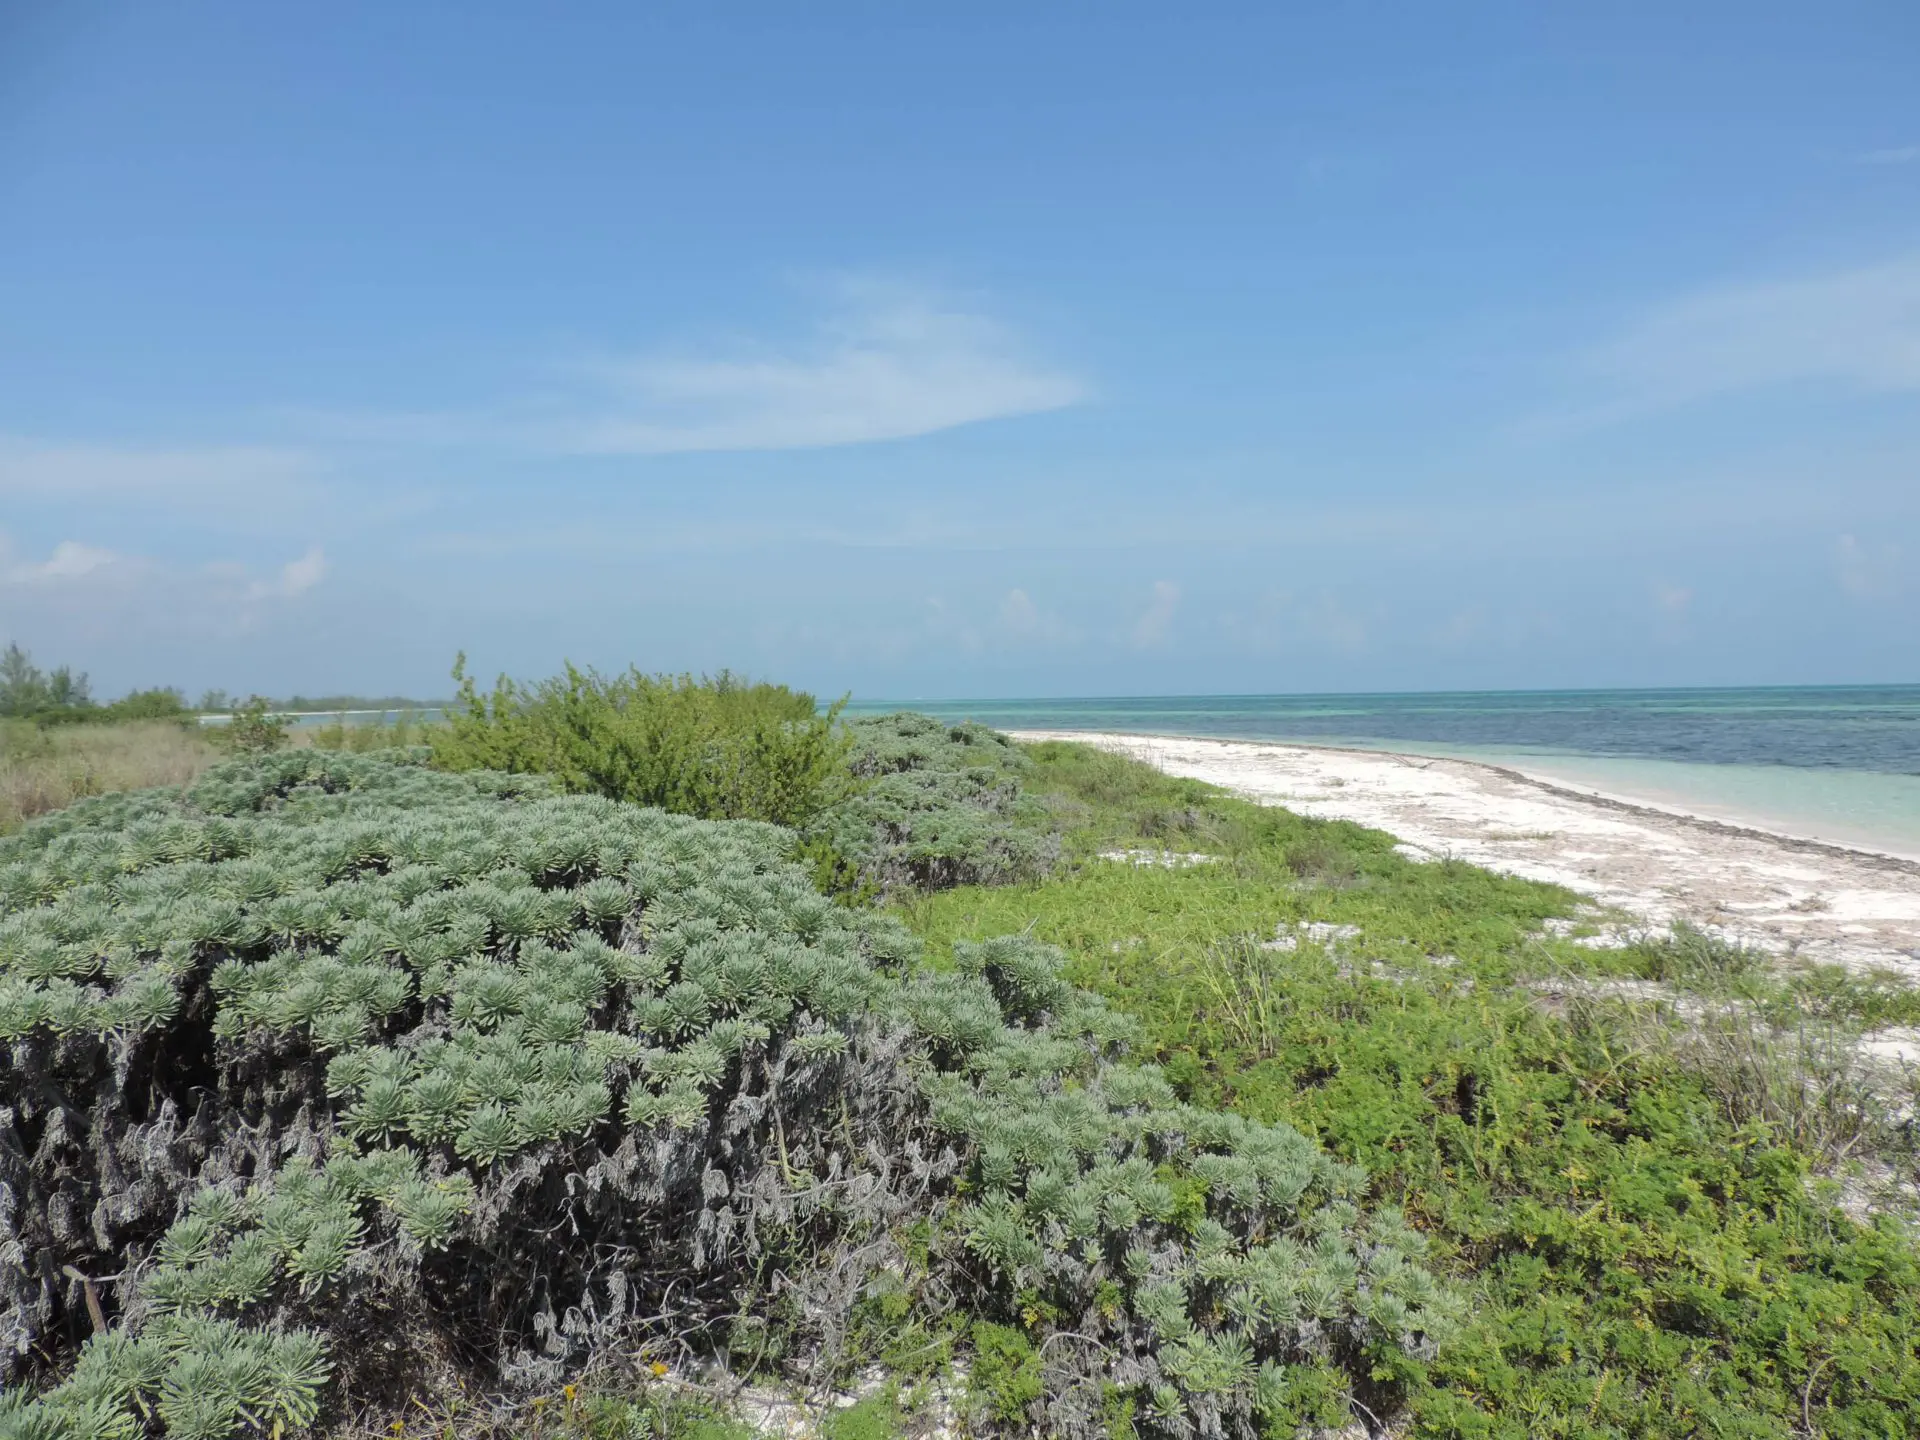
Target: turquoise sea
(1839, 763)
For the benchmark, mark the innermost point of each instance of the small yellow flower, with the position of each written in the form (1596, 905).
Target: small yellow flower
(567, 1390)
(658, 1368)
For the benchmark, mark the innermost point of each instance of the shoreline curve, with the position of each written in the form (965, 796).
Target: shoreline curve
(1895, 860)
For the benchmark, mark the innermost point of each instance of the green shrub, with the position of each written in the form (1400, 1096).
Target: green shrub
(934, 805)
(254, 729)
(156, 704)
(1006, 1382)
(714, 747)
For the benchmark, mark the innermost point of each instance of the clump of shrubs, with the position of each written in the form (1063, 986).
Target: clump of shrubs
(716, 747)
(253, 728)
(339, 1078)
(935, 805)
(880, 803)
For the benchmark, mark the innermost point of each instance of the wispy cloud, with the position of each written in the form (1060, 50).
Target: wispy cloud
(887, 363)
(76, 580)
(1898, 155)
(296, 577)
(890, 365)
(1855, 327)
(69, 561)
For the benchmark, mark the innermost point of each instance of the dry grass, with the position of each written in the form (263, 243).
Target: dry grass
(43, 770)
(1248, 992)
(1807, 1084)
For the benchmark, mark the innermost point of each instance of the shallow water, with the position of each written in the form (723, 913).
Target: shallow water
(1849, 807)
(1838, 763)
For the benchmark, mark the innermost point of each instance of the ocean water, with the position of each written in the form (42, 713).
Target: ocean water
(1839, 763)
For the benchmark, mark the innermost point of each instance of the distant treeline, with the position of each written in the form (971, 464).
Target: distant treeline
(61, 695)
(65, 696)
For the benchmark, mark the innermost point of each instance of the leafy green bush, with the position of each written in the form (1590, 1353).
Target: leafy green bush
(1006, 1379)
(160, 703)
(341, 1062)
(254, 729)
(715, 747)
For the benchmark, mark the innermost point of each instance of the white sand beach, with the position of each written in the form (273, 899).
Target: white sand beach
(1820, 902)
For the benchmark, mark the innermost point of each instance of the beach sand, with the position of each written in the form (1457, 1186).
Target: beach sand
(1818, 902)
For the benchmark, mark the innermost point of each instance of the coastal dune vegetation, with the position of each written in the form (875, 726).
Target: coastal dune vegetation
(58, 744)
(629, 1040)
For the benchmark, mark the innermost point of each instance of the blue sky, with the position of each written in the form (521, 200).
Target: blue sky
(962, 350)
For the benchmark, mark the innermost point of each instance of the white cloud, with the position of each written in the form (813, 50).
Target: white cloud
(1855, 327)
(893, 364)
(1156, 623)
(1899, 155)
(296, 577)
(69, 561)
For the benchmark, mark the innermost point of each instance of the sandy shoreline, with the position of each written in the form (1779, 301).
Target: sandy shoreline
(1823, 902)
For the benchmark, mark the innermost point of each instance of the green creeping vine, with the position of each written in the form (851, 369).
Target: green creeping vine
(337, 1046)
